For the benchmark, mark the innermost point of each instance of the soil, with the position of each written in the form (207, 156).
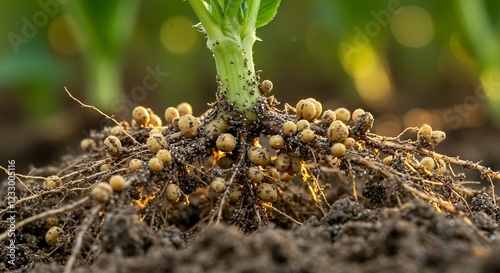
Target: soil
(351, 238)
(422, 221)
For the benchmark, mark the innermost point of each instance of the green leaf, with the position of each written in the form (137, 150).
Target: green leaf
(231, 7)
(267, 11)
(243, 13)
(216, 11)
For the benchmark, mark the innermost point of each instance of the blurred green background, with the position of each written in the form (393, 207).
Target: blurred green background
(408, 62)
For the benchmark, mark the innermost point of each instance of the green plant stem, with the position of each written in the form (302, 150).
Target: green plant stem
(231, 44)
(249, 27)
(108, 37)
(486, 44)
(481, 32)
(210, 26)
(104, 79)
(236, 72)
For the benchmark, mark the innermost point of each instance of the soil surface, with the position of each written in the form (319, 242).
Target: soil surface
(350, 238)
(360, 214)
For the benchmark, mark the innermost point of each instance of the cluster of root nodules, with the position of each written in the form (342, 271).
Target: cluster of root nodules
(153, 178)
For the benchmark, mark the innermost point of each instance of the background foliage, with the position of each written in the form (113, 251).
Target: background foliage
(409, 62)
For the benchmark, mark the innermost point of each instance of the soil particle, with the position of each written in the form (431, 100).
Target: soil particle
(124, 234)
(346, 210)
(484, 202)
(349, 238)
(484, 222)
(375, 192)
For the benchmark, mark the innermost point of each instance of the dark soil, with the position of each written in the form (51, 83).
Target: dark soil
(399, 217)
(351, 238)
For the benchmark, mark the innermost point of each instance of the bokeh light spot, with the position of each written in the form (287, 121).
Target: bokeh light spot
(412, 27)
(375, 89)
(359, 62)
(370, 76)
(65, 36)
(178, 35)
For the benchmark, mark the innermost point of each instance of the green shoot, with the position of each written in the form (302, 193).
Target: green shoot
(230, 28)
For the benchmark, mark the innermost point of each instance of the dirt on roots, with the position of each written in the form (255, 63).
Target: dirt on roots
(381, 204)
